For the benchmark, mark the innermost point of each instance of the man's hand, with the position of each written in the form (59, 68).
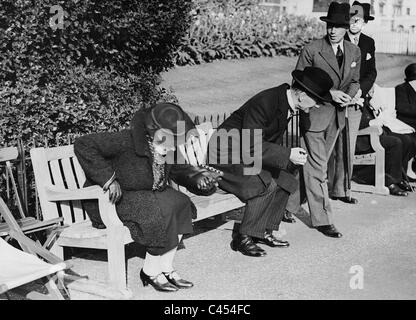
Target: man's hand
(114, 192)
(298, 156)
(340, 97)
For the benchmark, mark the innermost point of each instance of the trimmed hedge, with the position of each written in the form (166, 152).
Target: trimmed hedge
(92, 74)
(236, 32)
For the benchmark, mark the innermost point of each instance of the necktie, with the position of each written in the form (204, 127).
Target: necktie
(356, 41)
(340, 56)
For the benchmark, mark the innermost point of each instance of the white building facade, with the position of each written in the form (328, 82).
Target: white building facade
(398, 15)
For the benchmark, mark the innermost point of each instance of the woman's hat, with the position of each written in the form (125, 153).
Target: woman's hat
(361, 10)
(338, 14)
(169, 118)
(410, 72)
(315, 81)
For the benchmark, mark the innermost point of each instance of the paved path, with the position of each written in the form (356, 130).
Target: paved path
(379, 236)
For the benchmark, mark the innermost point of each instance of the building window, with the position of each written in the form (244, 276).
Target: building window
(408, 11)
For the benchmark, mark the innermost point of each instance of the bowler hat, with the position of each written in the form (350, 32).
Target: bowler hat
(315, 82)
(361, 10)
(338, 14)
(410, 72)
(169, 118)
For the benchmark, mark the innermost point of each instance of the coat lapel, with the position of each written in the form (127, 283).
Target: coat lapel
(348, 59)
(328, 55)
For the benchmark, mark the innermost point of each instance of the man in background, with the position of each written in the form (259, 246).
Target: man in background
(360, 15)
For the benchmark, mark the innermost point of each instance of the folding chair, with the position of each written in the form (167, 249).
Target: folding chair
(18, 268)
(27, 224)
(22, 267)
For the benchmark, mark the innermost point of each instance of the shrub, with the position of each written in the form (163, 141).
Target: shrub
(79, 102)
(234, 32)
(127, 35)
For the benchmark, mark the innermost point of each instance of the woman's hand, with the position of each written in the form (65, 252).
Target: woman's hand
(114, 192)
(208, 179)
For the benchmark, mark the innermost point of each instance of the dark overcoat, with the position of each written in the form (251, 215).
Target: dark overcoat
(268, 111)
(406, 103)
(127, 154)
(368, 71)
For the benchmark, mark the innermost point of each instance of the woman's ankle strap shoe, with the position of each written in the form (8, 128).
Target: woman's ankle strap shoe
(156, 283)
(177, 281)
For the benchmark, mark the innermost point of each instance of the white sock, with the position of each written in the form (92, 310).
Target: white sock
(151, 265)
(166, 260)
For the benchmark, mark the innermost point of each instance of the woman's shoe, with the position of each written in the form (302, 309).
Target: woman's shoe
(156, 283)
(174, 278)
(395, 190)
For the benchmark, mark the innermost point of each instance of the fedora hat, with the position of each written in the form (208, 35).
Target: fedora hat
(169, 118)
(361, 10)
(410, 72)
(338, 14)
(314, 81)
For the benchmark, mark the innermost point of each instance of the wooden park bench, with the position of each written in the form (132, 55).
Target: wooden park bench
(59, 182)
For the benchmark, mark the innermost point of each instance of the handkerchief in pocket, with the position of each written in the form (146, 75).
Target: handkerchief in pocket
(368, 56)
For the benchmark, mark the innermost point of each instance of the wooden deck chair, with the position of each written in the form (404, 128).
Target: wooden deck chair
(18, 268)
(22, 267)
(27, 224)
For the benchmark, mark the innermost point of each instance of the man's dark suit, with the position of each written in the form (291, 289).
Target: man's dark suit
(406, 103)
(368, 71)
(368, 74)
(267, 111)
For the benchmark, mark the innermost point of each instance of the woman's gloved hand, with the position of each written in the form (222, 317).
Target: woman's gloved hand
(208, 179)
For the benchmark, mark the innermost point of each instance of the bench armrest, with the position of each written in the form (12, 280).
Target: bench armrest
(55, 193)
(374, 133)
(370, 130)
(107, 210)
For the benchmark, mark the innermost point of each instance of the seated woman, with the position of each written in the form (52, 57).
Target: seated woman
(132, 166)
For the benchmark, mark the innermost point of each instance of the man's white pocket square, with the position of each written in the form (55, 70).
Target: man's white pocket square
(354, 64)
(368, 56)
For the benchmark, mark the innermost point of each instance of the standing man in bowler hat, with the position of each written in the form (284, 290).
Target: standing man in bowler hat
(321, 127)
(360, 15)
(266, 193)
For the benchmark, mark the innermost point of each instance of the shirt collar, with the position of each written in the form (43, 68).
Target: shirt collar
(291, 102)
(335, 46)
(413, 84)
(352, 36)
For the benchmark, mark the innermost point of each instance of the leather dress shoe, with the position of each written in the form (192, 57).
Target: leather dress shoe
(246, 246)
(288, 218)
(174, 278)
(346, 199)
(329, 231)
(404, 185)
(156, 282)
(270, 240)
(395, 190)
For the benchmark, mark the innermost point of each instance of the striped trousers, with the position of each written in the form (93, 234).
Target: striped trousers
(264, 212)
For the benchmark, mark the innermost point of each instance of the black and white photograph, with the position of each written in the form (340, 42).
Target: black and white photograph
(202, 156)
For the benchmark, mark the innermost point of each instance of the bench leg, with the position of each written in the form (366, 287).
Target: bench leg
(116, 259)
